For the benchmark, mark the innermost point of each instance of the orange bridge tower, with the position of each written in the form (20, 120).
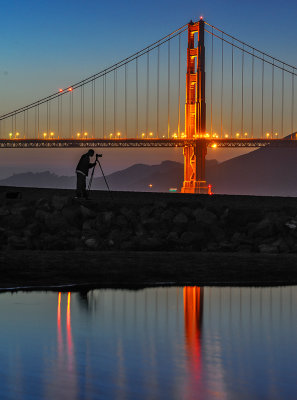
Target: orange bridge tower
(195, 113)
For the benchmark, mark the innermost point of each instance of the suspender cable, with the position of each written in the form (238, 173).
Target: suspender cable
(262, 105)
(211, 78)
(242, 72)
(232, 88)
(222, 86)
(38, 121)
(272, 97)
(136, 116)
(158, 84)
(59, 99)
(147, 92)
(82, 109)
(27, 123)
(114, 102)
(292, 105)
(168, 119)
(283, 84)
(178, 122)
(103, 105)
(35, 123)
(252, 124)
(70, 114)
(47, 118)
(93, 108)
(126, 101)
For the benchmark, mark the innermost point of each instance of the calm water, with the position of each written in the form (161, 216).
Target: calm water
(160, 343)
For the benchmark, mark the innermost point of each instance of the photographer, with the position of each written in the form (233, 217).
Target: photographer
(82, 171)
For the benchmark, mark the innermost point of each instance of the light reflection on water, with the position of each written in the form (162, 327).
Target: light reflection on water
(157, 343)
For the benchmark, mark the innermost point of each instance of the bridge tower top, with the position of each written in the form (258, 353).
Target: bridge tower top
(195, 112)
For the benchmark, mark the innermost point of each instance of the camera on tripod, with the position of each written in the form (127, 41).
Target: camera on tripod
(98, 155)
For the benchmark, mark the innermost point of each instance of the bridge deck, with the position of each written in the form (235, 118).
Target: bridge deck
(65, 143)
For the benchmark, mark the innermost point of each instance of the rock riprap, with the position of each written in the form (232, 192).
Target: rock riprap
(62, 223)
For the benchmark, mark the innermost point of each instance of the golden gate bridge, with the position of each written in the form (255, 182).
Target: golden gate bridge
(235, 96)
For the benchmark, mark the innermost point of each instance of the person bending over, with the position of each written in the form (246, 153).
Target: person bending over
(82, 171)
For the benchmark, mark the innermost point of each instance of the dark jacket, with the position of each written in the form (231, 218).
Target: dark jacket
(84, 164)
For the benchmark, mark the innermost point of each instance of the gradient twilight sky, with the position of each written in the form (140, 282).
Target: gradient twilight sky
(46, 45)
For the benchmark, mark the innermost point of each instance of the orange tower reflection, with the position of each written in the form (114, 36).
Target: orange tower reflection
(65, 365)
(193, 313)
(68, 327)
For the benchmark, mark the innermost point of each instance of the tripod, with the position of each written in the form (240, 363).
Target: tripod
(92, 175)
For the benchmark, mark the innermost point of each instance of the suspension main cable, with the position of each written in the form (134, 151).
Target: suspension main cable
(103, 72)
(246, 44)
(256, 56)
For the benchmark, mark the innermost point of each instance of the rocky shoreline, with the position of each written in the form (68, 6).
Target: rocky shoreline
(57, 222)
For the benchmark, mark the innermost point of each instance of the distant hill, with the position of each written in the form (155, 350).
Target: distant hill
(135, 178)
(44, 179)
(265, 171)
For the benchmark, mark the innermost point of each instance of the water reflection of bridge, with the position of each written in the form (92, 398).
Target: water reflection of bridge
(207, 323)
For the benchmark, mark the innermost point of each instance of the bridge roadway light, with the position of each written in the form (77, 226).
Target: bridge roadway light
(86, 135)
(110, 136)
(151, 134)
(52, 134)
(78, 135)
(119, 135)
(214, 145)
(143, 135)
(267, 135)
(245, 134)
(44, 135)
(226, 136)
(276, 135)
(17, 134)
(237, 135)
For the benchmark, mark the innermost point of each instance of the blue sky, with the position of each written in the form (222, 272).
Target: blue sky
(50, 44)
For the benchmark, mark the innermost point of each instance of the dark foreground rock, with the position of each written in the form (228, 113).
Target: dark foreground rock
(173, 229)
